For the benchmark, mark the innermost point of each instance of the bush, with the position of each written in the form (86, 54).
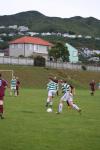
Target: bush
(84, 67)
(39, 61)
(21, 56)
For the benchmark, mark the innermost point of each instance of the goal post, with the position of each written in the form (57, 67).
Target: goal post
(12, 72)
(7, 75)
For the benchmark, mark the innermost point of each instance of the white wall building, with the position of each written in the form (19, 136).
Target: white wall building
(28, 46)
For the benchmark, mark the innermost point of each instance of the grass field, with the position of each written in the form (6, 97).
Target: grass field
(27, 125)
(37, 77)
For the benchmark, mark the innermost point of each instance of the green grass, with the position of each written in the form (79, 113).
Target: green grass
(27, 125)
(37, 77)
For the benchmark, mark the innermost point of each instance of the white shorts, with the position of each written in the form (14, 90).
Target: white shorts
(51, 93)
(70, 99)
(67, 97)
(13, 88)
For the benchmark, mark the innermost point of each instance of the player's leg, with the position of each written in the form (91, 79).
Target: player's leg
(49, 98)
(1, 107)
(74, 106)
(52, 95)
(92, 92)
(60, 106)
(15, 92)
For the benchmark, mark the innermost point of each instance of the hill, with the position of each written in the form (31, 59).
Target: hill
(38, 22)
(37, 77)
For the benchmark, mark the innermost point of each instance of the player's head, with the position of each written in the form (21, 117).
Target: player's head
(65, 81)
(13, 77)
(61, 81)
(50, 79)
(55, 77)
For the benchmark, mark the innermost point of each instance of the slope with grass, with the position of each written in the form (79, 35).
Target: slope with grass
(28, 126)
(37, 77)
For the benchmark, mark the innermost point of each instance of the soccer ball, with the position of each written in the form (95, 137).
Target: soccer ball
(49, 110)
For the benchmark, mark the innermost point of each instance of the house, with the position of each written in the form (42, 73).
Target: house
(1, 53)
(23, 28)
(28, 46)
(73, 53)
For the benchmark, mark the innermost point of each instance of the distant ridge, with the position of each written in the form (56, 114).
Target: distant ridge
(38, 22)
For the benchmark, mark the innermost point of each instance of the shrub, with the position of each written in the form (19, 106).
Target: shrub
(84, 67)
(21, 56)
(39, 61)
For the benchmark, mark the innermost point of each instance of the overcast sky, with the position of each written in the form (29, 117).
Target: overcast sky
(53, 8)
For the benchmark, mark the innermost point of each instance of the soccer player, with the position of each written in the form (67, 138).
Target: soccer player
(13, 86)
(92, 87)
(63, 86)
(64, 89)
(68, 97)
(98, 85)
(17, 85)
(3, 85)
(52, 88)
(57, 82)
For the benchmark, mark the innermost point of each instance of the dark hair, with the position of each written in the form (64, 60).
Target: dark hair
(50, 78)
(0, 74)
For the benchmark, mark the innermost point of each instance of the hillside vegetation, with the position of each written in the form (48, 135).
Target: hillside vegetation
(37, 77)
(38, 22)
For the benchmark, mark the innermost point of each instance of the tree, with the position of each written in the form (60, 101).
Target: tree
(59, 50)
(39, 61)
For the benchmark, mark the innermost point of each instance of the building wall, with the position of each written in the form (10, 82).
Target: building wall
(16, 50)
(29, 49)
(40, 49)
(73, 56)
(26, 49)
(73, 53)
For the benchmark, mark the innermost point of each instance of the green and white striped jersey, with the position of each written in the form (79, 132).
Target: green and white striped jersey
(64, 87)
(52, 86)
(68, 87)
(13, 83)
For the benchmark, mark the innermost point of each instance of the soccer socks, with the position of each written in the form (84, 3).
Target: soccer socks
(1, 111)
(75, 107)
(60, 107)
(49, 103)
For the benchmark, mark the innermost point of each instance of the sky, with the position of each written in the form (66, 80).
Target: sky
(53, 8)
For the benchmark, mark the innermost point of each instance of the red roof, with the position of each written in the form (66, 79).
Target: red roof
(30, 40)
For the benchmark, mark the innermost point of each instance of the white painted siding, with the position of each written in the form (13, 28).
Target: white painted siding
(29, 49)
(26, 49)
(40, 49)
(16, 50)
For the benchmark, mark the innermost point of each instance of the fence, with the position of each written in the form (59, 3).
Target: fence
(16, 61)
(57, 65)
(71, 66)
